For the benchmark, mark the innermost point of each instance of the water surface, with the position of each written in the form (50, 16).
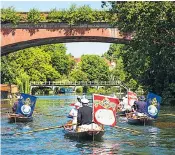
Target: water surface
(158, 139)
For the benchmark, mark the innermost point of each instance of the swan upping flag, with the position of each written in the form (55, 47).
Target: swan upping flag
(132, 97)
(104, 109)
(26, 104)
(153, 105)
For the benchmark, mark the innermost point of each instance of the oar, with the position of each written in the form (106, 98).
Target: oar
(50, 115)
(127, 129)
(167, 115)
(37, 130)
(43, 129)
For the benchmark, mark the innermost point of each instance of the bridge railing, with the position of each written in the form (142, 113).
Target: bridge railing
(50, 83)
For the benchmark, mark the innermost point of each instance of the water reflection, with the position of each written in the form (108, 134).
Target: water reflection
(96, 148)
(153, 136)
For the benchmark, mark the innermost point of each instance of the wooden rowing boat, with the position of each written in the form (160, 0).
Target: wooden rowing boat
(19, 118)
(121, 113)
(86, 135)
(140, 121)
(82, 135)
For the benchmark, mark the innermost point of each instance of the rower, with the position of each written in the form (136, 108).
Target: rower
(140, 106)
(73, 114)
(84, 113)
(15, 104)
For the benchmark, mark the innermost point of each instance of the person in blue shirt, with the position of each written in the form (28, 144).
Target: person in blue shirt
(140, 106)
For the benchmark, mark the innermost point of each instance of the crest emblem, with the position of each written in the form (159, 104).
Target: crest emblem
(26, 109)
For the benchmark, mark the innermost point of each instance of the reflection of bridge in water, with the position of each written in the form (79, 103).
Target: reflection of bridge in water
(97, 84)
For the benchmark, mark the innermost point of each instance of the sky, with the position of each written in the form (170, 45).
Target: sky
(76, 49)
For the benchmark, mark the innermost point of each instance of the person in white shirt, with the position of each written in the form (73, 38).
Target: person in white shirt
(124, 104)
(73, 113)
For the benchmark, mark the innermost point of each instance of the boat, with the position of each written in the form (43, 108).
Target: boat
(19, 118)
(140, 121)
(104, 113)
(82, 135)
(121, 113)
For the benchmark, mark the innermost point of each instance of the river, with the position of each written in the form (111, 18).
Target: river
(158, 139)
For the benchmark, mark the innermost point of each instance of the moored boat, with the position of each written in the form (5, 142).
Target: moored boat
(19, 118)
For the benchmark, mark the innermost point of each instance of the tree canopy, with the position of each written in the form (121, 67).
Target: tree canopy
(150, 57)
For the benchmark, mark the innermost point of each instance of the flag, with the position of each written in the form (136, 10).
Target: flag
(131, 98)
(104, 109)
(153, 105)
(26, 104)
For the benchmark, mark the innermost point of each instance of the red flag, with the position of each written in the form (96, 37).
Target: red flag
(131, 98)
(104, 108)
(72, 104)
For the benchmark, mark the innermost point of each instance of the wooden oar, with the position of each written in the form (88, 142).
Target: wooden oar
(50, 115)
(37, 130)
(42, 129)
(167, 115)
(127, 129)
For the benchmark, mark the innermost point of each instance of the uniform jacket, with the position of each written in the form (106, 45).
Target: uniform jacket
(84, 115)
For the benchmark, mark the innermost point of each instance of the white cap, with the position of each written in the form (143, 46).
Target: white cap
(85, 101)
(78, 97)
(78, 104)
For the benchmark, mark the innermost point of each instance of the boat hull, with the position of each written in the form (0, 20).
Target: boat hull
(17, 118)
(140, 121)
(86, 135)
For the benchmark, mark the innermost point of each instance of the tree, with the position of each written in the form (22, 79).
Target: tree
(151, 54)
(95, 67)
(62, 62)
(32, 64)
(78, 75)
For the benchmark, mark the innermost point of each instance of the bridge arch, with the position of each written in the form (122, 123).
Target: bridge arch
(26, 35)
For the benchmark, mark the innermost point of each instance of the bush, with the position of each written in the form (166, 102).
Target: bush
(79, 90)
(34, 16)
(9, 15)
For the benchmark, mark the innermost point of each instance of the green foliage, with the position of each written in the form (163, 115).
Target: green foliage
(169, 94)
(60, 61)
(34, 16)
(32, 64)
(95, 67)
(84, 15)
(56, 16)
(79, 90)
(150, 56)
(73, 15)
(78, 75)
(9, 15)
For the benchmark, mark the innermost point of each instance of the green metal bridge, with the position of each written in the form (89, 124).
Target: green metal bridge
(76, 83)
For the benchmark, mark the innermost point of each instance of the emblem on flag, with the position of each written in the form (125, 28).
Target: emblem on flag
(153, 105)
